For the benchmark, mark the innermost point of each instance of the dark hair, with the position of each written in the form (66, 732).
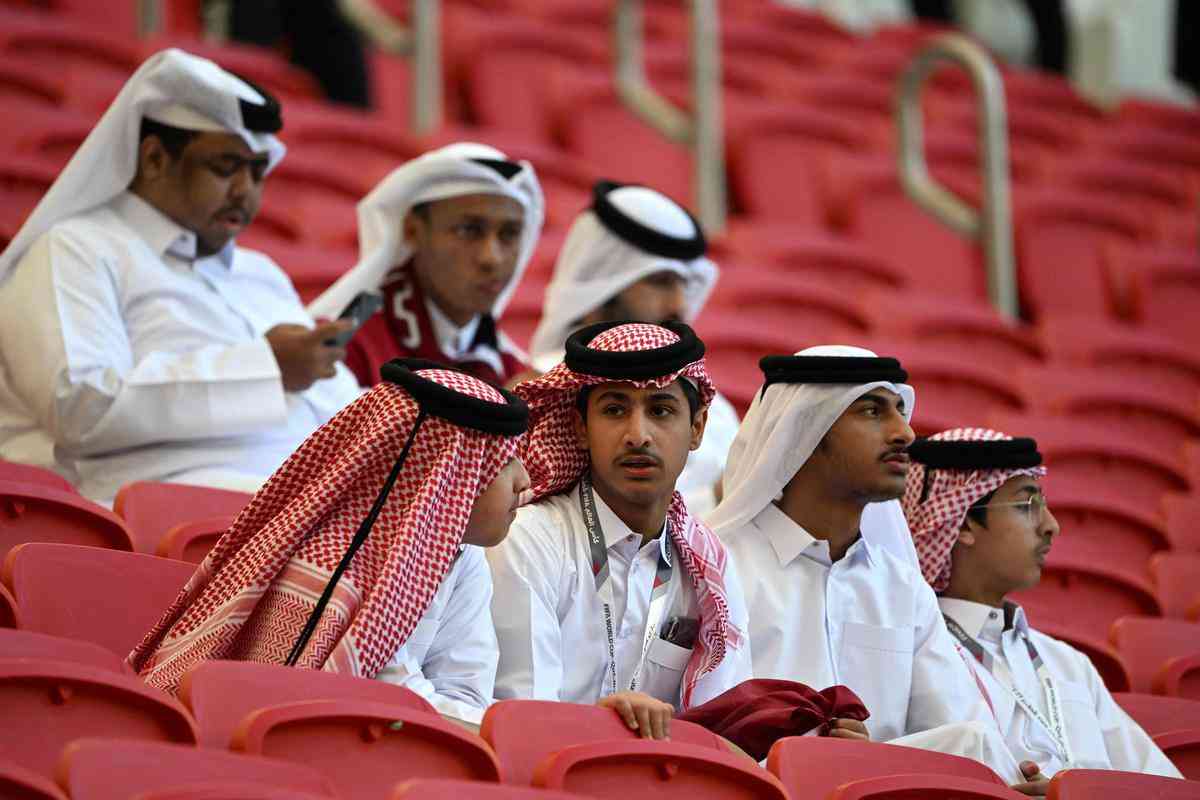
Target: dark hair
(689, 391)
(978, 510)
(173, 139)
(422, 210)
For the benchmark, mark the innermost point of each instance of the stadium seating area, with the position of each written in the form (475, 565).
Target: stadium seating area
(821, 236)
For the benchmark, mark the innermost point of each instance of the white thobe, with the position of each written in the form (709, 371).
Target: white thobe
(868, 621)
(450, 657)
(706, 464)
(1101, 735)
(125, 357)
(550, 620)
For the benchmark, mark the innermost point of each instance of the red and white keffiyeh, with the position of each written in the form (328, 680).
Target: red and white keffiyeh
(555, 463)
(254, 592)
(936, 509)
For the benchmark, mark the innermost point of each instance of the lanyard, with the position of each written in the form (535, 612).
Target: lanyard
(600, 571)
(1055, 725)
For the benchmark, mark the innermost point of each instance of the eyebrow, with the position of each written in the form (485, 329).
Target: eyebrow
(658, 397)
(612, 394)
(238, 159)
(1030, 490)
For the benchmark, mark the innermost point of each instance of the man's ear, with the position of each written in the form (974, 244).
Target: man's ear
(699, 421)
(580, 423)
(968, 533)
(153, 159)
(414, 224)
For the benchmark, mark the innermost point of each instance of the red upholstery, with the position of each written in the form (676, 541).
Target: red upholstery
(927, 787)
(364, 747)
(1090, 784)
(30, 644)
(220, 694)
(150, 509)
(23, 473)
(1163, 655)
(191, 541)
(524, 732)
(432, 789)
(1158, 714)
(107, 597)
(50, 703)
(112, 769)
(34, 513)
(20, 783)
(1176, 581)
(656, 770)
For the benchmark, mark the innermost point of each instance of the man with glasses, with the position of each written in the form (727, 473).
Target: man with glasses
(982, 530)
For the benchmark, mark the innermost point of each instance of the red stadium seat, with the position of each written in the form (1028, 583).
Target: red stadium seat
(24, 85)
(150, 508)
(33, 513)
(524, 732)
(191, 541)
(1150, 145)
(364, 747)
(264, 66)
(656, 770)
(108, 597)
(1160, 192)
(433, 789)
(1140, 112)
(22, 184)
(20, 783)
(1090, 784)
(974, 332)
(112, 769)
(224, 790)
(1177, 581)
(813, 766)
(1166, 287)
(1085, 599)
(1163, 655)
(955, 392)
(778, 252)
(1157, 714)
(859, 99)
(10, 614)
(23, 473)
(1103, 657)
(734, 348)
(806, 311)
(49, 136)
(373, 146)
(310, 269)
(1183, 748)
(59, 47)
(30, 644)
(48, 704)
(1045, 91)
(220, 694)
(1181, 512)
(927, 787)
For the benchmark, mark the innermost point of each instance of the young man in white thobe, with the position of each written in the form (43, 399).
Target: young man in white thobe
(636, 254)
(982, 529)
(138, 341)
(607, 589)
(810, 511)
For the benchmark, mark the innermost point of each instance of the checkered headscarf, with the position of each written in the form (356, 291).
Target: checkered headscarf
(556, 462)
(254, 592)
(936, 501)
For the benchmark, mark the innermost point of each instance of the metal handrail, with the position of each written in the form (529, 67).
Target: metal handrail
(702, 130)
(992, 224)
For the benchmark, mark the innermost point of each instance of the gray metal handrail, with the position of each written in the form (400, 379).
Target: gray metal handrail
(702, 130)
(992, 224)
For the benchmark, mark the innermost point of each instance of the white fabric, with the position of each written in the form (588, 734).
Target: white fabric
(450, 657)
(1101, 734)
(549, 619)
(437, 175)
(868, 621)
(702, 472)
(596, 265)
(171, 86)
(779, 434)
(126, 358)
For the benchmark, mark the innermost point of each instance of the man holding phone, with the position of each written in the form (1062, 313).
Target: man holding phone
(444, 239)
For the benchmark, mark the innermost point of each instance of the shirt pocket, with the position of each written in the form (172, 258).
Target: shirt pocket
(876, 664)
(1082, 725)
(663, 671)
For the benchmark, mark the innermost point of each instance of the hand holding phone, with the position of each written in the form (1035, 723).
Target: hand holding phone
(364, 306)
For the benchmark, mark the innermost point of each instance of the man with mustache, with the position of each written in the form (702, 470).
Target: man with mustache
(837, 598)
(982, 529)
(445, 238)
(608, 590)
(140, 342)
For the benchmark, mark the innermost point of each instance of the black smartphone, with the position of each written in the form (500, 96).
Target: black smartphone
(364, 306)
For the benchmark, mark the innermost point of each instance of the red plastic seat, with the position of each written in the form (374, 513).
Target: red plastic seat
(1084, 599)
(48, 704)
(24, 85)
(805, 310)
(1163, 655)
(1157, 714)
(778, 252)
(191, 541)
(264, 66)
(1090, 784)
(524, 732)
(1160, 192)
(814, 766)
(1177, 581)
(30, 644)
(60, 47)
(364, 747)
(927, 787)
(224, 790)
(10, 613)
(19, 783)
(150, 508)
(33, 513)
(113, 769)
(1150, 145)
(955, 392)
(1103, 657)
(108, 597)
(1166, 287)
(656, 770)
(1181, 512)
(974, 332)
(734, 349)
(372, 145)
(23, 182)
(23, 473)
(433, 789)
(1182, 747)
(220, 694)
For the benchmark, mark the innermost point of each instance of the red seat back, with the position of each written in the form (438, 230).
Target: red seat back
(1155, 649)
(191, 541)
(35, 513)
(927, 787)
(20, 783)
(150, 509)
(224, 790)
(1085, 598)
(1089, 784)
(1177, 582)
(24, 473)
(1157, 714)
(30, 644)
(1183, 748)
(433, 789)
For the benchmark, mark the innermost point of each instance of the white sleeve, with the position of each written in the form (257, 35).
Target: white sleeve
(71, 363)
(526, 568)
(458, 670)
(1129, 747)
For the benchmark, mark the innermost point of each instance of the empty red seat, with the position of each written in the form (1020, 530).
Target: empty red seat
(1089, 784)
(19, 783)
(1181, 512)
(813, 766)
(24, 85)
(23, 183)
(221, 694)
(1157, 714)
(1102, 655)
(524, 732)
(30, 644)
(371, 144)
(1085, 598)
(806, 311)
(859, 99)
(1166, 287)
(365, 748)
(112, 769)
(1151, 145)
(778, 252)
(150, 508)
(109, 597)
(48, 704)
(927, 787)
(1163, 655)
(191, 541)
(1160, 192)
(224, 790)
(1182, 747)
(734, 349)
(1177, 582)
(656, 770)
(432, 789)
(961, 331)
(10, 614)
(23, 473)
(955, 392)
(262, 65)
(33, 513)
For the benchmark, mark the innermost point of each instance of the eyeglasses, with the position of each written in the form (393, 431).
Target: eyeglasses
(1035, 506)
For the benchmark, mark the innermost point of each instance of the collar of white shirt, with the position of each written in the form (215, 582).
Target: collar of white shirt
(451, 339)
(616, 531)
(790, 541)
(163, 234)
(982, 621)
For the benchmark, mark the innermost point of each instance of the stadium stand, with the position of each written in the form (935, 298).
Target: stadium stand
(152, 509)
